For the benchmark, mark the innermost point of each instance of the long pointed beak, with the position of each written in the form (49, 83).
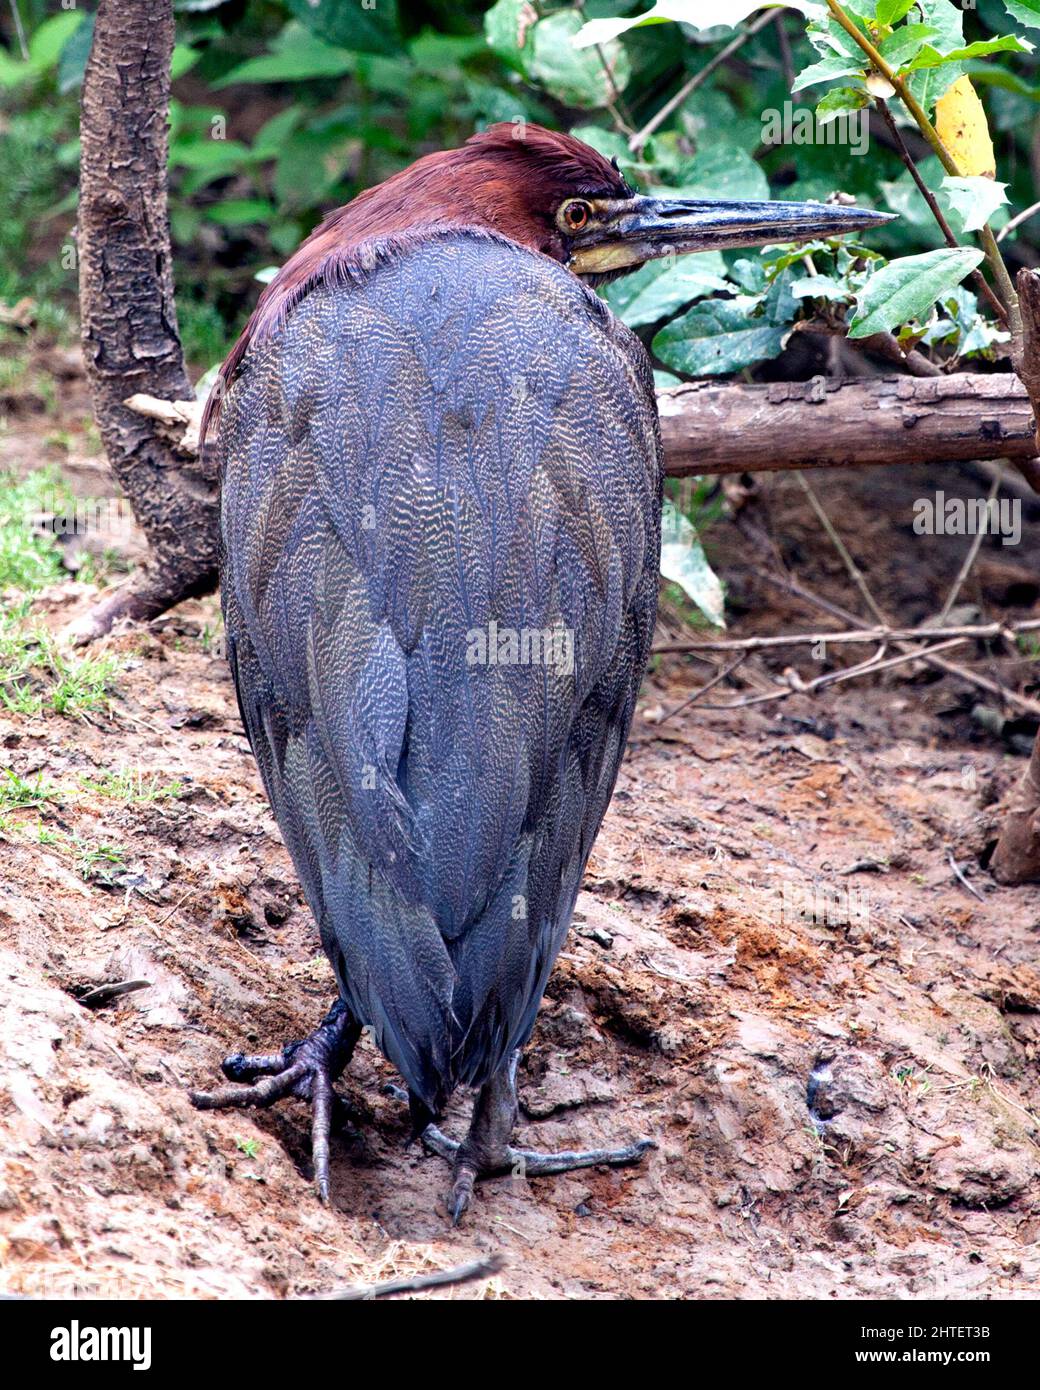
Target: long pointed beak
(629, 231)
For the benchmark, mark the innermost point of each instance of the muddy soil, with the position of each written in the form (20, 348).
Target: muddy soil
(789, 967)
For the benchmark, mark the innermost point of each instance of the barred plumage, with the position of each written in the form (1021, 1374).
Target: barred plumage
(459, 436)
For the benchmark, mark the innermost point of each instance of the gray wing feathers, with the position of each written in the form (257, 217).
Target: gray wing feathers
(460, 436)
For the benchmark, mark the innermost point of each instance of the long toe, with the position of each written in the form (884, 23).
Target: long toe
(306, 1070)
(260, 1094)
(245, 1067)
(535, 1163)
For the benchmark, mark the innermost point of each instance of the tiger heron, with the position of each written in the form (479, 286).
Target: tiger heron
(441, 505)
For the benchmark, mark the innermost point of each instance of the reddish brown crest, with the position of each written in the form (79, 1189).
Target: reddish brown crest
(509, 179)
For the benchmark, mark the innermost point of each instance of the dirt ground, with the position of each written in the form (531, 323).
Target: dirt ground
(774, 972)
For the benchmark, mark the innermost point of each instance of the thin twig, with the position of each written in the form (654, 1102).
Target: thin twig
(926, 193)
(973, 550)
(833, 677)
(884, 344)
(784, 44)
(717, 679)
(792, 586)
(1017, 220)
(843, 636)
(458, 1274)
(622, 117)
(20, 31)
(928, 130)
(839, 545)
(926, 654)
(688, 88)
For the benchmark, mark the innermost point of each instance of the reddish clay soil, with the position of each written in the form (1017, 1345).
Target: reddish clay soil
(774, 972)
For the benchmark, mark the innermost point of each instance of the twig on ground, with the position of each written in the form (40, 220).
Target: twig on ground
(796, 686)
(792, 586)
(438, 1278)
(844, 637)
(717, 679)
(959, 875)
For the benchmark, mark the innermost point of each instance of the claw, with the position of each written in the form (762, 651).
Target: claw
(461, 1192)
(484, 1153)
(305, 1069)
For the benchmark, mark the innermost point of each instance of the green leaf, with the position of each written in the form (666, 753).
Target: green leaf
(892, 11)
(947, 20)
(905, 43)
(295, 56)
(443, 55)
(575, 76)
(974, 199)
(309, 164)
(273, 134)
(839, 101)
(819, 287)
(907, 288)
(612, 146)
(930, 57)
(659, 288)
(240, 212)
(718, 337)
(202, 152)
(507, 27)
(720, 171)
(73, 61)
(826, 70)
(1025, 11)
(350, 24)
(51, 37)
(182, 60)
(684, 563)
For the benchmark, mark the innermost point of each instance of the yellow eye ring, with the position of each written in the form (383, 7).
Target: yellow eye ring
(574, 215)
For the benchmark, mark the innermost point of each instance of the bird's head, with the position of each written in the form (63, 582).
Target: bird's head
(542, 189)
(555, 193)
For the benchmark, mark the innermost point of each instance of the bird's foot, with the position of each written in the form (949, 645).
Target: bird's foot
(305, 1069)
(486, 1153)
(467, 1166)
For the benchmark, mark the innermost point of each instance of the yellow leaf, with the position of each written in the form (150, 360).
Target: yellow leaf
(960, 120)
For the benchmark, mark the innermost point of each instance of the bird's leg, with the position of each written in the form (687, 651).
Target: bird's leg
(305, 1069)
(486, 1150)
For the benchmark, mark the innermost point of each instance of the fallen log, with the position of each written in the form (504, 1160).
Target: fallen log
(715, 427)
(726, 427)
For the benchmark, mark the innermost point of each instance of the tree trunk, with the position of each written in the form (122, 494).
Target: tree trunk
(1016, 858)
(129, 322)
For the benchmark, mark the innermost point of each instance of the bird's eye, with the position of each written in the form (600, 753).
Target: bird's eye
(574, 215)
